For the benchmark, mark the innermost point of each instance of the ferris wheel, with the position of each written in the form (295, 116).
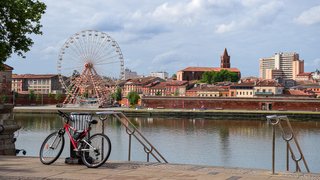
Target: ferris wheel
(88, 64)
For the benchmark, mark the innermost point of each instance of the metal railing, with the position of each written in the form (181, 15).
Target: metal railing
(288, 136)
(132, 131)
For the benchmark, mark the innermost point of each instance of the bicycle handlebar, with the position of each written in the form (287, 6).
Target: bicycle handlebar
(64, 115)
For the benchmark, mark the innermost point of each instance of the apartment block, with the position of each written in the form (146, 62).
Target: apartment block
(128, 74)
(281, 65)
(39, 83)
(161, 74)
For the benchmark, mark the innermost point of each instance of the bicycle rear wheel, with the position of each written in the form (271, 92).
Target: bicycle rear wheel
(96, 151)
(51, 148)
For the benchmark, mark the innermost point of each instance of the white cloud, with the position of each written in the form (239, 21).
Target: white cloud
(253, 13)
(310, 16)
(223, 28)
(179, 12)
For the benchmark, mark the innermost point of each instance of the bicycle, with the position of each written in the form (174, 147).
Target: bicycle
(94, 150)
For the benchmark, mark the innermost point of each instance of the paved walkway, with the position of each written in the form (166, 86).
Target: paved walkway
(31, 168)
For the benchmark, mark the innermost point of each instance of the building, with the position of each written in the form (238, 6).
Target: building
(39, 83)
(161, 74)
(195, 73)
(307, 76)
(168, 88)
(225, 59)
(268, 88)
(243, 89)
(139, 85)
(316, 75)
(128, 74)
(281, 65)
(5, 80)
(208, 90)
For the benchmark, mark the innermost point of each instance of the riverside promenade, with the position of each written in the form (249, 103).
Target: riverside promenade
(210, 113)
(12, 167)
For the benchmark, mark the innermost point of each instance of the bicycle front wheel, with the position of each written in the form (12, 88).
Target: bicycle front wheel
(51, 148)
(96, 151)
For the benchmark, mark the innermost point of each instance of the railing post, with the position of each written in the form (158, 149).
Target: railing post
(288, 167)
(273, 148)
(129, 151)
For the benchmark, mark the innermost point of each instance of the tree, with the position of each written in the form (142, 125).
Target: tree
(133, 98)
(117, 96)
(58, 96)
(174, 76)
(158, 93)
(4, 98)
(85, 94)
(38, 98)
(176, 92)
(31, 95)
(18, 19)
(223, 75)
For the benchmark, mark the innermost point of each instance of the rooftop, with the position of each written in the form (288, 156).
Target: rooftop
(200, 69)
(33, 76)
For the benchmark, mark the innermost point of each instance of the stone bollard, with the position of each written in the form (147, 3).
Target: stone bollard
(9, 126)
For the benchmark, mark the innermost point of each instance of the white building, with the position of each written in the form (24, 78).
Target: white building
(128, 74)
(162, 75)
(281, 65)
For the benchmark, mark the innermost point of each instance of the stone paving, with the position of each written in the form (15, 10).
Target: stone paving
(31, 168)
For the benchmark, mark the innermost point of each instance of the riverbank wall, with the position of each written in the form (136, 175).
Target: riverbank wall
(231, 103)
(176, 113)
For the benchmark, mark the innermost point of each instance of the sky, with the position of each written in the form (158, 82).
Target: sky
(162, 35)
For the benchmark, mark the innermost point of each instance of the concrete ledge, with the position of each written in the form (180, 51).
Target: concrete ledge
(31, 168)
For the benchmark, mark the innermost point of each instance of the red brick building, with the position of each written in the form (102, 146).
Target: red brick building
(5, 80)
(195, 73)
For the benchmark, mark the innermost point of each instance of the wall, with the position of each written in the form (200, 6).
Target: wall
(7, 146)
(282, 104)
(23, 99)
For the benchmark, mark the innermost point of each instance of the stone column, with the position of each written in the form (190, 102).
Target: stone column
(7, 127)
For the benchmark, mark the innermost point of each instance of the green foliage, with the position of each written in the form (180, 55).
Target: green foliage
(133, 98)
(117, 96)
(223, 75)
(16, 94)
(31, 95)
(58, 96)
(85, 94)
(4, 98)
(158, 93)
(38, 97)
(50, 95)
(18, 20)
(174, 76)
(176, 93)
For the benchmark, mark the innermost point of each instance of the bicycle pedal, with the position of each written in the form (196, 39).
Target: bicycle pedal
(76, 150)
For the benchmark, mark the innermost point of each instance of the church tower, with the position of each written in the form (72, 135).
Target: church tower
(225, 59)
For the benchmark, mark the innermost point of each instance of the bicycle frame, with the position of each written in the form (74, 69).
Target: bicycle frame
(74, 142)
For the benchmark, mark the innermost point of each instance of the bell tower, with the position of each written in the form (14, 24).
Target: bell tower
(225, 59)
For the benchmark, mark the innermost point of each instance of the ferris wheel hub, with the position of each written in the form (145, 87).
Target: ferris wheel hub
(88, 65)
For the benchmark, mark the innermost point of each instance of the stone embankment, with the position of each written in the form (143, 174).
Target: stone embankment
(193, 113)
(31, 168)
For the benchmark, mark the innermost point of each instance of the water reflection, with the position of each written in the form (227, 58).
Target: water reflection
(232, 143)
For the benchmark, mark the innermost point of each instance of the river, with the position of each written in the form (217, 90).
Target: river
(228, 143)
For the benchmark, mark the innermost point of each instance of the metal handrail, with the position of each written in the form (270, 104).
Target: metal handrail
(131, 130)
(276, 120)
